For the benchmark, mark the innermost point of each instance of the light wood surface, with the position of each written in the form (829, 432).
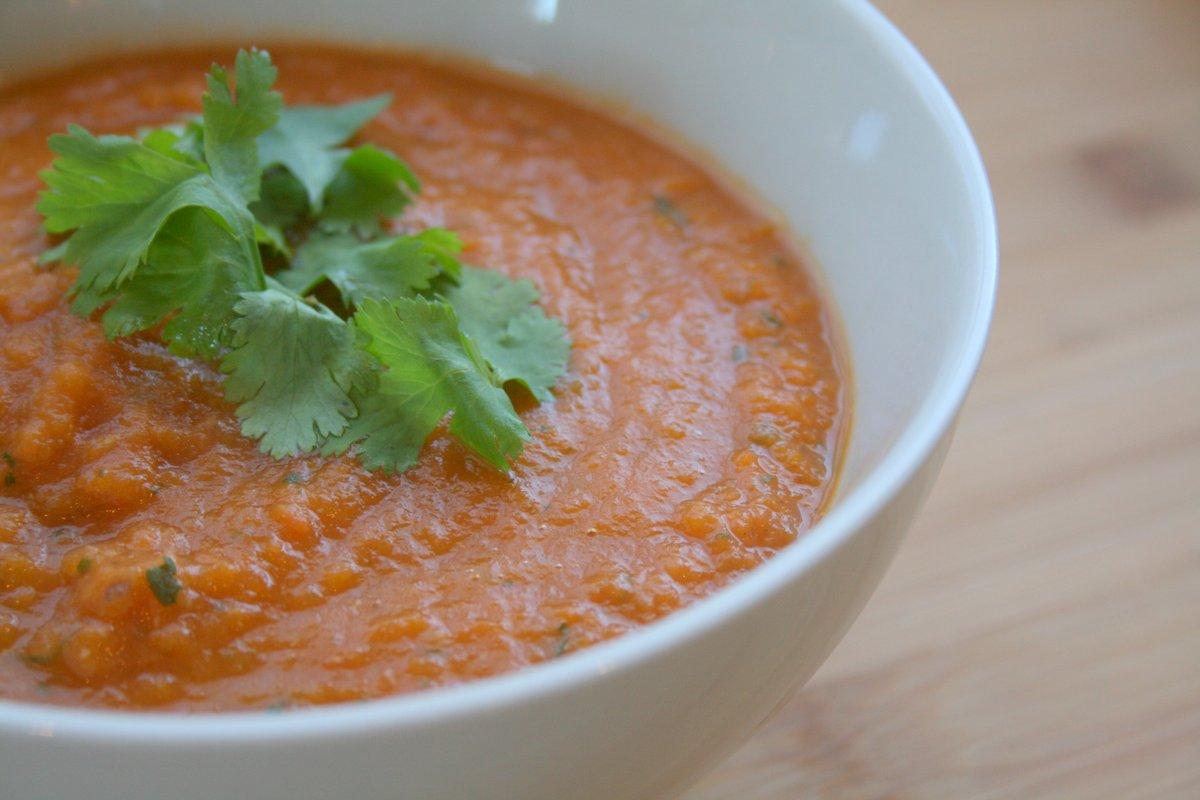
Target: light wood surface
(1039, 634)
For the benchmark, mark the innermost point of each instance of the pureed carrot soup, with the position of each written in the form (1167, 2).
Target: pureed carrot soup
(152, 555)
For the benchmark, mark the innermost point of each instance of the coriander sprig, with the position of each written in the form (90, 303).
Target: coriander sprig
(169, 232)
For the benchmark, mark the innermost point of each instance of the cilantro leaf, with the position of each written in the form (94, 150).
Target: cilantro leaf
(53, 254)
(232, 124)
(193, 265)
(156, 229)
(372, 183)
(116, 194)
(520, 342)
(305, 141)
(431, 370)
(282, 202)
(182, 142)
(272, 238)
(443, 247)
(394, 267)
(292, 368)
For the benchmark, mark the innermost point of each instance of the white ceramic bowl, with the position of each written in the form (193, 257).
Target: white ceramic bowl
(835, 119)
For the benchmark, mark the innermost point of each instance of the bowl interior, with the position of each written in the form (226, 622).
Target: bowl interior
(819, 106)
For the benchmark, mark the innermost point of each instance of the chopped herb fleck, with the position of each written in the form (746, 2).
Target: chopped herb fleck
(739, 353)
(8, 459)
(275, 706)
(39, 659)
(9, 479)
(772, 319)
(564, 640)
(164, 582)
(293, 478)
(666, 207)
(83, 565)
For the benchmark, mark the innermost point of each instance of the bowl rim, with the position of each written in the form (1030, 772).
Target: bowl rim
(845, 518)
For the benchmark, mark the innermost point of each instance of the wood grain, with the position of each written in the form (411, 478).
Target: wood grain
(1039, 635)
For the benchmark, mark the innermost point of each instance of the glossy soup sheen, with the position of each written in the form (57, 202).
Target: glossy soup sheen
(694, 436)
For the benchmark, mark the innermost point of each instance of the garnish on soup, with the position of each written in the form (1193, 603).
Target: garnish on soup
(224, 230)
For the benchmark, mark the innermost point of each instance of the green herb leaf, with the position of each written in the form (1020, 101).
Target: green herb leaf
(232, 124)
(373, 183)
(272, 238)
(116, 194)
(520, 342)
(443, 247)
(182, 142)
(306, 138)
(193, 265)
(120, 195)
(292, 368)
(393, 267)
(431, 369)
(282, 202)
(164, 582)
(53, 254)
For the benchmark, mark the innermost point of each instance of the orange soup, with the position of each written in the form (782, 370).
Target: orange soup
(694, 435)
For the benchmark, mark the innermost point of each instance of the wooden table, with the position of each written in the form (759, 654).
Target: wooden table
(1039, 634)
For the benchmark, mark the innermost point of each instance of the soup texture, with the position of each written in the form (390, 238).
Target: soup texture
(694, 436)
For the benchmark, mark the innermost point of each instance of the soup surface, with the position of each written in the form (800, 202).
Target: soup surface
(694, 436)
